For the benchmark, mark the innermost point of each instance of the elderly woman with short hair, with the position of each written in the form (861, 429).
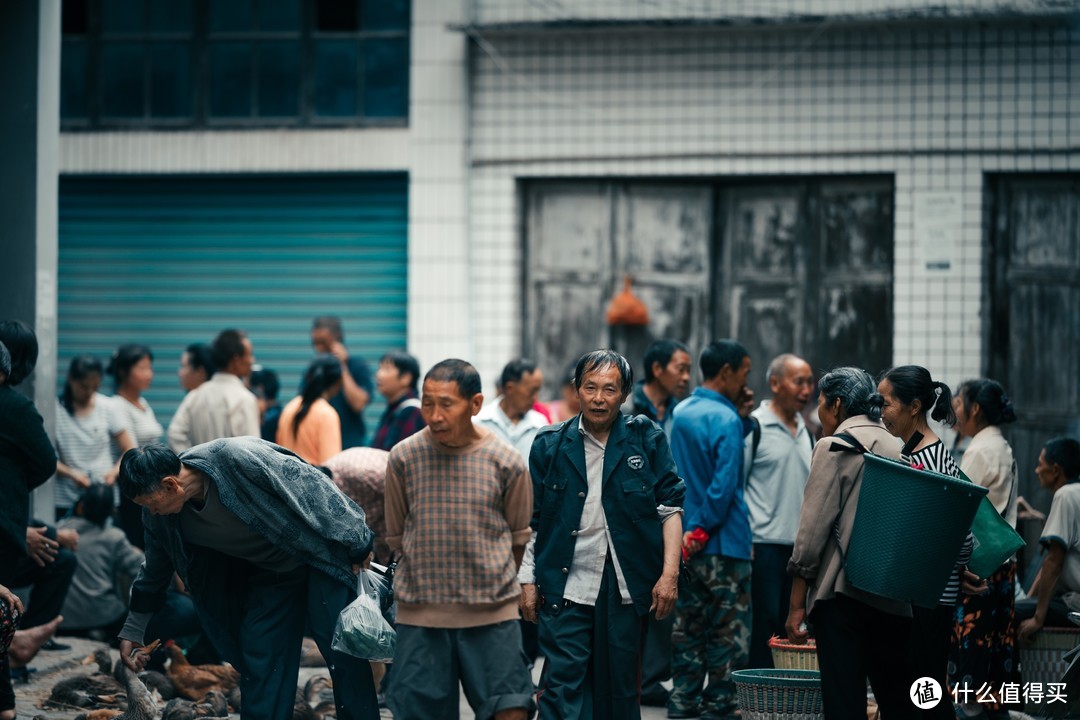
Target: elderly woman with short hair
(859, 635)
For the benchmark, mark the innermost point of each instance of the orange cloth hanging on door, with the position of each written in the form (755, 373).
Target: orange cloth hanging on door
(626, 308)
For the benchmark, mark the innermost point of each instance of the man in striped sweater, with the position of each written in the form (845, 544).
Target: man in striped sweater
(458, 505)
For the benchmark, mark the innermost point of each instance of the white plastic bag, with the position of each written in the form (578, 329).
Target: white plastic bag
(361, 630)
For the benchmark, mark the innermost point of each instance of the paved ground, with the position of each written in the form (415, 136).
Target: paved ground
(55, 666)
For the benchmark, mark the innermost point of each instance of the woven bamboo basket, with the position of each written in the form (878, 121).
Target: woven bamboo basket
(1041, 661)
(788, 656)
(779, 694)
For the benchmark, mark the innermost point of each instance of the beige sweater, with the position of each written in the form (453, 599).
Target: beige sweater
(836, 477)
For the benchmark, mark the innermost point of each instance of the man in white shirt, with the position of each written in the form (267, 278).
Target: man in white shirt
(777, 462)
(511, 416)
(222, 407)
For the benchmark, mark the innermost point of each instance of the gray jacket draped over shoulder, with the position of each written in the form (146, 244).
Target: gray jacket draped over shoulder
(286, 500)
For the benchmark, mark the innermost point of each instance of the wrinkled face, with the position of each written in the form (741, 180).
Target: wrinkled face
(168, 499)
(1046, 472)
(674, 377)
(828, 415)
(322, 340)
(83, 390)
(900, 419)
(521, 395)
(141, 375)
(391, 382)
(190, 377)
(448, 414)
(600, 396)
(791, 390)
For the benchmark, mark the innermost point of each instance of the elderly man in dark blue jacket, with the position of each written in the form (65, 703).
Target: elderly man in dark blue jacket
(265, 542)
(607, 523)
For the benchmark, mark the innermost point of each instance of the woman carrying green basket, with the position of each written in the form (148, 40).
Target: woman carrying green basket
(911, 396)
(859, 636)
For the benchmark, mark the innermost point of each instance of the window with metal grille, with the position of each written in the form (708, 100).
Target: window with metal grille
(229, 63)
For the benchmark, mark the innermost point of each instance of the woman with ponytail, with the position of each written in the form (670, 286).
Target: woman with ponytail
(309, 425)
(911, 397)
(984, 642)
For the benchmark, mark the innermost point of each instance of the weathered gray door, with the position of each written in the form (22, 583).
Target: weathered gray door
(806, 267)
(583, 238)
(1034, 333)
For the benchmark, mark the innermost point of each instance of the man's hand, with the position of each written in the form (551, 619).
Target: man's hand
(693, 541)
(339, 351)
(745, 404)
(1028, 628)
(111, 476)
(971, 583)
(80, 478)
(39, 547)
(133, 656)
(796, 621)
(530, 600)
(68, 538)
(664, 594)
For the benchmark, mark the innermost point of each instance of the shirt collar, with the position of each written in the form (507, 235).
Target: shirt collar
(706, 393)
(768, 416)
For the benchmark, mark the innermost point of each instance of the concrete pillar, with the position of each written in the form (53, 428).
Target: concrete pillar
(29, 139)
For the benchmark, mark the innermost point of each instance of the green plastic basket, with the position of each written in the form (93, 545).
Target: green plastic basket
(779, 694)
(909, 527)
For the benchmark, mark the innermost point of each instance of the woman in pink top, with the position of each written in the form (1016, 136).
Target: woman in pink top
(309, 425)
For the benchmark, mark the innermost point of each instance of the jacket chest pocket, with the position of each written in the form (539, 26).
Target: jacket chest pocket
(638, 494)
(554, 493)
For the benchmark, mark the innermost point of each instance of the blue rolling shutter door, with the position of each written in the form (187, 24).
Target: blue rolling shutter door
(171, 261)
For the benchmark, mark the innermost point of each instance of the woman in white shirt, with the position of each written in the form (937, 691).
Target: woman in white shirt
(132, 369)
(984, 642)
(86, 422)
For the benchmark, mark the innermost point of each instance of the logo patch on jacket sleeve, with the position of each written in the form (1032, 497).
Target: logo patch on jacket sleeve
(636, 462)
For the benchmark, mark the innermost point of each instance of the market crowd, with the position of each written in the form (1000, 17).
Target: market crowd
(631, 533)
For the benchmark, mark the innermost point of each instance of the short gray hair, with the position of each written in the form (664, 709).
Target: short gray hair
(5, 360)
(855, 389)
(777, 366)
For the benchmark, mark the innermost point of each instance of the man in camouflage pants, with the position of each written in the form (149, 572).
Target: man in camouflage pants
(712, 615)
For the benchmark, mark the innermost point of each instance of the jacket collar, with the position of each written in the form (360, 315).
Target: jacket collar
(574, 446)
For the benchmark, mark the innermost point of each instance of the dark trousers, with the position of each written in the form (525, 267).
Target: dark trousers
(856, 642)
(256, 620)
(592, 665)
(770, 596)
(48, 585)
(656, 655)
(931, 631)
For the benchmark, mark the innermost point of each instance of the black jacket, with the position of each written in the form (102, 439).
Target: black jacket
(639, 475)
(27, 459)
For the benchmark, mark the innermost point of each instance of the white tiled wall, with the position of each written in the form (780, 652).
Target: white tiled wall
(936, 107)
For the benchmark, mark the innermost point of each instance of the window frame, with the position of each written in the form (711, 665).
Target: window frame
(201, 41)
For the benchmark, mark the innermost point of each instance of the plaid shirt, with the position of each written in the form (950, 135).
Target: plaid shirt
(398, 423)
(456, 515)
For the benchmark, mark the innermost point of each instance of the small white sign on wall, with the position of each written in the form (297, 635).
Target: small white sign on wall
(938, 217)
